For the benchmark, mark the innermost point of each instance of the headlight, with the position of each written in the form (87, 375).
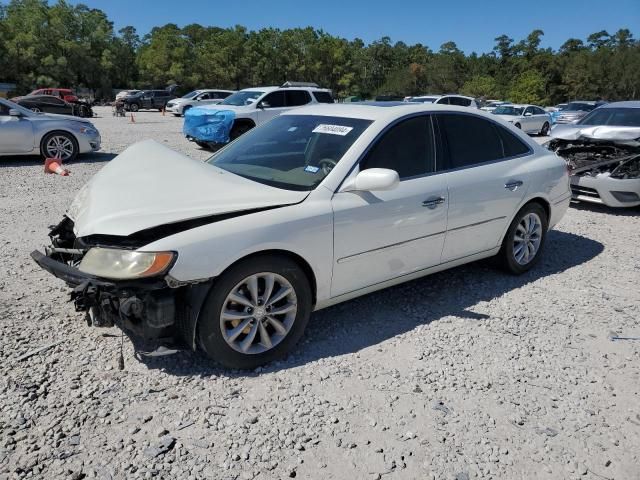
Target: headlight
(88, 130)
(125, 264)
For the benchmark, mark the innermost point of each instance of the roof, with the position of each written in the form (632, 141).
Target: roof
(273, 88)
(626, 104)
(380, 110)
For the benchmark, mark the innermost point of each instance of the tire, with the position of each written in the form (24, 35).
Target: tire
(545, 129)
(297, 306)
(238, 130)
(204, 145)
(59, 144)
(518, 126)
(134, 107)
(35, 109)
(510, 253)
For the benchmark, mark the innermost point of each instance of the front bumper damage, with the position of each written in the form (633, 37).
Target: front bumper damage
(149, 308)
(602, 171)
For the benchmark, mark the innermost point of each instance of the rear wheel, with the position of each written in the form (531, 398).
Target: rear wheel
(59, 145)
(256, 312)
(524, 240)
(545, 129)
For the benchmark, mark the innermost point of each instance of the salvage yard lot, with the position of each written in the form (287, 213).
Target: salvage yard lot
(467, 372)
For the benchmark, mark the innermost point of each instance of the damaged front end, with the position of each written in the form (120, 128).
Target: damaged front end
(153, 307)
(602, 170)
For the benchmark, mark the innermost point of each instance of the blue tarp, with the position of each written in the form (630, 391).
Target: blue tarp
(208, 125)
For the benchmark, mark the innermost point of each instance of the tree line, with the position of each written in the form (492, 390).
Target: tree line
(65, 45)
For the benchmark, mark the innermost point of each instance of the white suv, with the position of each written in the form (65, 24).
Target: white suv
(253, 106)
(459, 100)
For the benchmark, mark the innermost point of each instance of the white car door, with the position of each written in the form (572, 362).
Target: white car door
(487, 175)
(16, 133)
(530, 122)
(271, 106)
(380, 235)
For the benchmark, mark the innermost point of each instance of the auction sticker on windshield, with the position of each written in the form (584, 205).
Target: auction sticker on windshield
(332, 129)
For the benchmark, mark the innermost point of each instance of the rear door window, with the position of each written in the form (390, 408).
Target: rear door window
(407, 148)
(469, 140)
(295, 98)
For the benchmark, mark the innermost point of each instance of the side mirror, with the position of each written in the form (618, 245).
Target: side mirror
(13, 112)
(528, 114)
(372, 179)
(263, 104)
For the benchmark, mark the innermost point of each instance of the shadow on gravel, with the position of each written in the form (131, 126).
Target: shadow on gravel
(374, 318)
(35, 160)
(596, 208)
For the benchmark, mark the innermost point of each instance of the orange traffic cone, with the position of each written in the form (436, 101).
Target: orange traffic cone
(54, 165)
(133, 120)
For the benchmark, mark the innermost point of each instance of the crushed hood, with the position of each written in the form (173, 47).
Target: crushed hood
(626, 135)
(149, 185)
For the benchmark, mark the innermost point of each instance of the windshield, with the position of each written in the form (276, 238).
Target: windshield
(423, 99)
(239, 99)
(293, 152)
(508, 110)
(616, 117)
(579, 106)
(191, 94)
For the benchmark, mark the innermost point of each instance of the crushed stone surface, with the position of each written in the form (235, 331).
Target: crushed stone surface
(466, 374)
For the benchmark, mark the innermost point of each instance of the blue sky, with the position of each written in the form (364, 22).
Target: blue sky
(471, 24)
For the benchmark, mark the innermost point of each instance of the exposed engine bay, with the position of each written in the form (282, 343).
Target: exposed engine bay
(590, 157)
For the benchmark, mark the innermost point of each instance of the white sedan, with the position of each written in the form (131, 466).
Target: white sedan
(529, 118)
(318, 206)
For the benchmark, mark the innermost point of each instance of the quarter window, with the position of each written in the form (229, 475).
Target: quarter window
(469, 140)
(406, 148)
(323, 97)
(511, 144)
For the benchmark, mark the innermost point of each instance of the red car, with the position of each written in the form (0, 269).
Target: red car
(65, 94)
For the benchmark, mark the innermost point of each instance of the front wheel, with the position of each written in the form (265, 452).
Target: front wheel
(256, 312)
(134, 107)
(524, 240)
(59, 145)
(36, 109)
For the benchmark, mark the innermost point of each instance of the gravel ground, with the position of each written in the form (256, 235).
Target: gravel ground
(465, 374)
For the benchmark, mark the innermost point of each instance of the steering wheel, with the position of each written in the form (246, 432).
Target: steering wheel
(327, 164)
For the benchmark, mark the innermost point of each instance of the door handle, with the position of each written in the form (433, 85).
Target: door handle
(433, 202)
(513, 186)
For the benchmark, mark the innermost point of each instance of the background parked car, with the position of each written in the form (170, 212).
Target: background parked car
(492, 105)
(459, 100)
(603, 154)
(51, 104)
(576, 110)
(120, 95)
(529, 118)
(23, 132)
(148, 99)
(65, 94)
(196, 98)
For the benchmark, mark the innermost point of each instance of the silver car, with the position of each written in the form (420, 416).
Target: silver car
(178, 106)
(23, 132)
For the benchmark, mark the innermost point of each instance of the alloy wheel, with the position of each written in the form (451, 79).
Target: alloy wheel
(59, 146)
(527, 238)
(258, 313)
